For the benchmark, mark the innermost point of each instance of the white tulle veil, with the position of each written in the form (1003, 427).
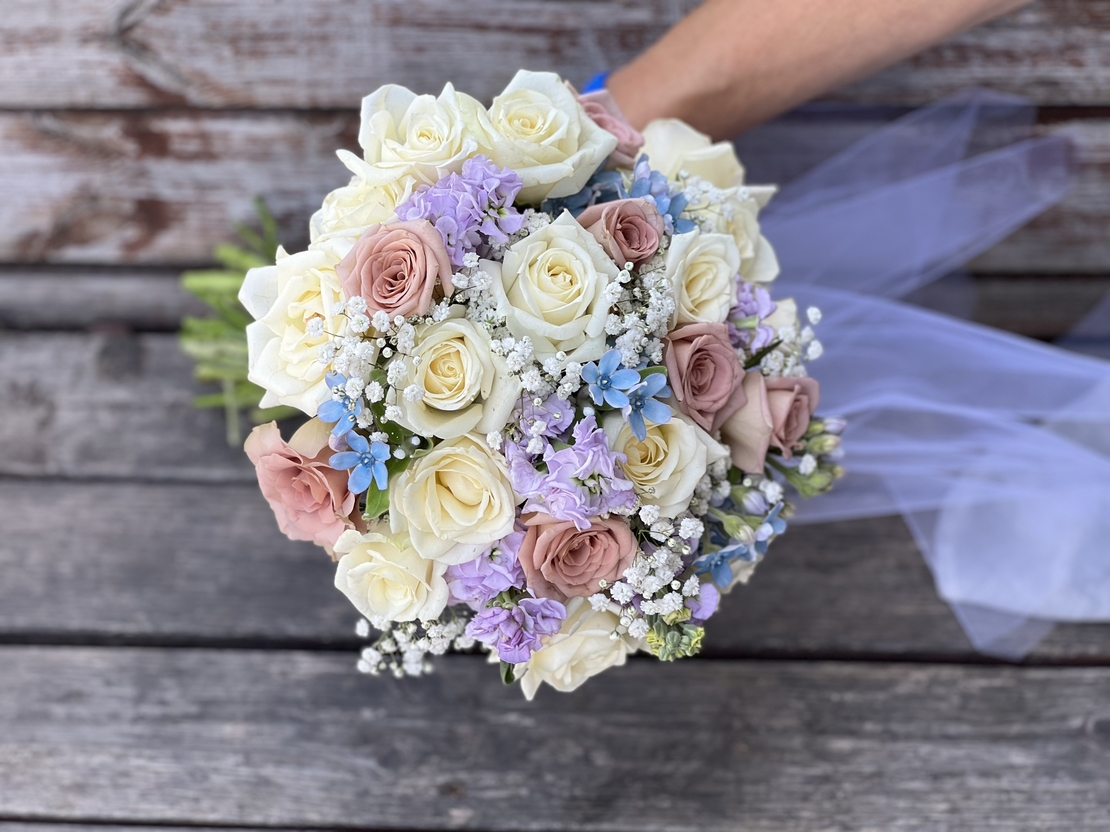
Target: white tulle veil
(995, 448)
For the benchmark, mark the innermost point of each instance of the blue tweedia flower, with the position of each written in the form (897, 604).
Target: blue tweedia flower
(341, 409)
(603, 186)
(608, 382)
(653, 185)
(365, 461)
(772, 525)
(718, 565)
(642, 404)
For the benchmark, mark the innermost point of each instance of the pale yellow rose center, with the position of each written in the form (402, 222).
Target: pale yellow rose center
(448, 376)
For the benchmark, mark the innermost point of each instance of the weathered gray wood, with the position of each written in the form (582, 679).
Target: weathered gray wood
(18, 826)
(298, 739)
(326, 55)
(165, 188)
(107, 405)
(187, 564)
(105, 299)
(332, 53)
(1053, 51)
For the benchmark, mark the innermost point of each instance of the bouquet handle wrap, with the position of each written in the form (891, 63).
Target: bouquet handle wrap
(994, 448)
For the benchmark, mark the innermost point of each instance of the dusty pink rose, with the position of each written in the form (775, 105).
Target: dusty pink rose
(604, 112)
(309, 498)
(395, 266)
(561, 562)
(748, 431)
(628, 229)
(704, 373)
(791, 402)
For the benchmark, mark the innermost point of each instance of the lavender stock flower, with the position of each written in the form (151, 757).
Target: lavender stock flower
(516, 633)
(582, 480)
(479, 581)
(469, 209)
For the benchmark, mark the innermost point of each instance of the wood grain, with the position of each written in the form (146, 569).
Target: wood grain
(297, 739)
(330, 54)
(106, 299)
(108, 405)
(205, 564)
(165, 188)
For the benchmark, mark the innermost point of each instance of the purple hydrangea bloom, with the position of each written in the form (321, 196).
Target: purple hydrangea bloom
(517, 633)
(582, 480)
(482, 579)
(752, 302)
(469, 210)
(704, 605)
(555, 413)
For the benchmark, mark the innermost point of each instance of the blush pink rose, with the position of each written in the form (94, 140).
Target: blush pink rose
(602, 109)
(792, 402)
(748, 431)
(309, 498)
(705, 373)
(561, 562)
(394, 268)
(628, 229)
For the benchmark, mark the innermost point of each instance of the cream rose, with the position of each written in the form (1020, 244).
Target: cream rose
(537, 128)
(283, 298)
(367, 199)
(384, 575)
(582, 648)
(455, 502)
(464, 386)
(667, 465)
(701, 269)
(422, 135)
(679, 151)
(551, 287)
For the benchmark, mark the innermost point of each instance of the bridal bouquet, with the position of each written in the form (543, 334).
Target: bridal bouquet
(553, 404)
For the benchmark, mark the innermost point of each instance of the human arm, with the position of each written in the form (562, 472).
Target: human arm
(731, 64)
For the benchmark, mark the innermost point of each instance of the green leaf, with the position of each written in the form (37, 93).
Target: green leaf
(377, 502)
(508, 673)
(753, 362)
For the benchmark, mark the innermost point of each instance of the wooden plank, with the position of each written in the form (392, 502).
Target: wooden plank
(10, 826)
(1053, 52)
(188, 564)
(100, 299)
(108, 405)
(297, 739)
(165, 188)
(290, 55)
(332, 53)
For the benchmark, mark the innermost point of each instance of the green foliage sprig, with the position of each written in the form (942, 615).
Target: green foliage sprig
(218, 341)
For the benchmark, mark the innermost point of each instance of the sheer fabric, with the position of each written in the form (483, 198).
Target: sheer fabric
(995, 448)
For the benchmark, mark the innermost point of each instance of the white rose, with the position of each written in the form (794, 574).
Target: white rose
(582, 648)
(739, 218)
(283, 298)
(384, 575)
(551, 288)
(367, 199)
(676, 150)
(465, 386)
(667, 465)
(701, 269)
(785, 316)
(422, 135)
(537, 128)
(679, 151)
(455, 501)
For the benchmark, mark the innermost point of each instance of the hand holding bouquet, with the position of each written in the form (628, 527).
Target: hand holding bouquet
(552, 403)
